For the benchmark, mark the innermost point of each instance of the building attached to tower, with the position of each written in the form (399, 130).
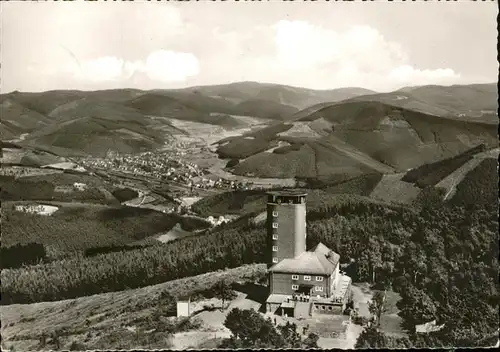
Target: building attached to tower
(301, 283)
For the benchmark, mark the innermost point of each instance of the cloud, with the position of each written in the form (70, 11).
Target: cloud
(310, 55)
(170, 66)
(405, 74)
(161, 66)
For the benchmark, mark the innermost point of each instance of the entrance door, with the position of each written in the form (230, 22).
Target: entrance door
(305, 289)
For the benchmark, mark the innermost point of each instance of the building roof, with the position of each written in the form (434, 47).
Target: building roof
(277, 298)
(286, 304)
(320, 261)
(428, 327)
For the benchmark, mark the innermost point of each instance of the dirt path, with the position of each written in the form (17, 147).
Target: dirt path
(451, 181)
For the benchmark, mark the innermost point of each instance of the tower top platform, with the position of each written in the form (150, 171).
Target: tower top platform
(288, 193)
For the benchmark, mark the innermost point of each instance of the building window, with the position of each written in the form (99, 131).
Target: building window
(275, 248)
(275, 237)
(323, 307)
(319, 278)
(319, 288)
(275, 260)
(275, 225)
(330, 308)
(275, 213)
(295, 277)
(295, 287)
(307, 278)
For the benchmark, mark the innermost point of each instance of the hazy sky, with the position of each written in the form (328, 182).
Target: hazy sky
(321, 45)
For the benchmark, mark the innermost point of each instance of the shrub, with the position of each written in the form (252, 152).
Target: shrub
(19, 255)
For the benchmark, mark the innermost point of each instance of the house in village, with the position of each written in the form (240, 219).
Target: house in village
(301, 283)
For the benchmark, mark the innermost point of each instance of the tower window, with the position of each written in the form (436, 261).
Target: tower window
(275, 248)
(275, 236)
(319, 278)
(307, 278)
(275, 225)
(295, 287)
(275, 260)
(319, 288)
(295, 277)
(275, 213)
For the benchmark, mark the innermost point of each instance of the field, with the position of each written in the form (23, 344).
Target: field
(392, 188)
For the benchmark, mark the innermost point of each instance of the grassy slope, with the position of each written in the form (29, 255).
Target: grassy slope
(96, 136)
(392, 188)
(99, 321)
(319, 159)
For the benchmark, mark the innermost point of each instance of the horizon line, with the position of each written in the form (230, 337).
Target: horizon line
(248, 82)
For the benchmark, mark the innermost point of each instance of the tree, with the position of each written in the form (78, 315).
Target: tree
(290, 334)
(225, 292)
(251, 330)
(377, 306)
(416, 307)
(311, 341)
(372, 337)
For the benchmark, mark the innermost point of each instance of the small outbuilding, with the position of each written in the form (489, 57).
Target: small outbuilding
(184, 308)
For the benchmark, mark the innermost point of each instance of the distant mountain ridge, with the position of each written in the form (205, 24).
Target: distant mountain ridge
(46, 117)
(474, 102)
(43, 117)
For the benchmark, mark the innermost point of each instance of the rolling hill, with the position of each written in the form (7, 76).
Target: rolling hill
(48, 118)
(474, 102)
(299, 98)
(353, 138)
